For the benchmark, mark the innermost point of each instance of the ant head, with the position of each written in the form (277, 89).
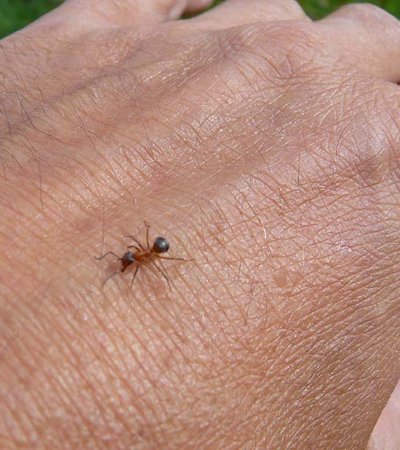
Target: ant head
(160, 245)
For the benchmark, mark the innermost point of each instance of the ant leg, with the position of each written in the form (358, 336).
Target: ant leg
(147, 225)
(163, 274)
(106, 254)
(135, 247)
(137, 242)
(108, 278)
(174, 259)
(134, 275)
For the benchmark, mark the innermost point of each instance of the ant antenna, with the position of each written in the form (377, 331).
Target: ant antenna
(134, 276)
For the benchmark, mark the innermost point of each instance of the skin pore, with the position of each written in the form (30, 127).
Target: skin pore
(261, 144)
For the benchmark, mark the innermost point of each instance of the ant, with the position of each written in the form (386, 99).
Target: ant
(143, 255)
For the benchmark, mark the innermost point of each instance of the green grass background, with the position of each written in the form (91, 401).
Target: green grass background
(15, 14)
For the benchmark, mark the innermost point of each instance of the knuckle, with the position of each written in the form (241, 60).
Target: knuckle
(283, 52)
(366, 11)
(368, 136)
(294, 9)
(287, 9)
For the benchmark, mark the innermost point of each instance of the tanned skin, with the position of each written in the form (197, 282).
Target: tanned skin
(262, 144)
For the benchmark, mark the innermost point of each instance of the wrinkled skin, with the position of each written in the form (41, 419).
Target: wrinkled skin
(259, 143)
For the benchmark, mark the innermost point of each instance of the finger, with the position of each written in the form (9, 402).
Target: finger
(105, 13)
(368, 37)
(197, 5)
(386, 433)
(239, 12)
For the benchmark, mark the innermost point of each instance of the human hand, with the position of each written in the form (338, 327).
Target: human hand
(261, 144)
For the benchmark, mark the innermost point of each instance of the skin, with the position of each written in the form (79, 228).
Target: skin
(259, 143)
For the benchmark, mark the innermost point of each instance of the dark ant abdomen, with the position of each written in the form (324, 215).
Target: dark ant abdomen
(127, 259)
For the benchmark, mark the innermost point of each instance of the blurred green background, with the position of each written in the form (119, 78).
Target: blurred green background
(15, 14)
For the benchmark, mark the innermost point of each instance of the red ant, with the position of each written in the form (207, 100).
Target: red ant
(143, 255)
